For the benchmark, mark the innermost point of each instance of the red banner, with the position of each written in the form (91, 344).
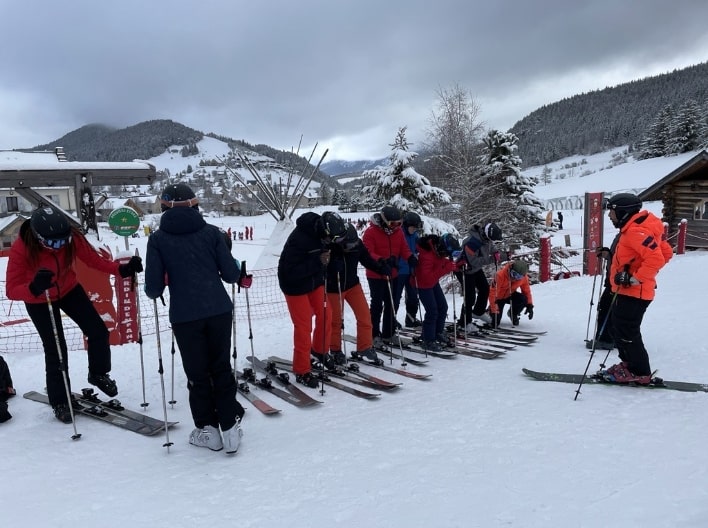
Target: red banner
(126, 292)
(593, 231)
(98, 288)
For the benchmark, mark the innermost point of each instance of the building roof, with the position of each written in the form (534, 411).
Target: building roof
(690, 167)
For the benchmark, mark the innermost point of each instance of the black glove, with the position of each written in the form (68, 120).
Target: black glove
(529, 310)
(412, 262)
(392, 261)
(623, 278)
(384, 268)
(42, 281)
(133, 266)
(603, 253)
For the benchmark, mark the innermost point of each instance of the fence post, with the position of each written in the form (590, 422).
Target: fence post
(544, 266)
(681, 247)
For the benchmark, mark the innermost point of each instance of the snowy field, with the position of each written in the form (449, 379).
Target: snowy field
(478, 445)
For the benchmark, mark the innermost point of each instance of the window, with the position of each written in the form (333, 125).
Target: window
(12, 206)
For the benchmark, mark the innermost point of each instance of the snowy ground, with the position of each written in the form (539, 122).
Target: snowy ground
(479, 445)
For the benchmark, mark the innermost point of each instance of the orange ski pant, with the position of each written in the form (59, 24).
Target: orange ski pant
(302, 308)
(356, 299)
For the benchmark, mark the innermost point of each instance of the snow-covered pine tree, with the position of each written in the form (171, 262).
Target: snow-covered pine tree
(685, 129)
(399, 184)
(519, 212)
(655, 142)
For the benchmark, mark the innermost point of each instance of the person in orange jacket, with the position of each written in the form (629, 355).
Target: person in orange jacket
(640, 253)
(510, 278)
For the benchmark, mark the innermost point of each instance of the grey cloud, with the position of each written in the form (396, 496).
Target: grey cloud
(269, 72)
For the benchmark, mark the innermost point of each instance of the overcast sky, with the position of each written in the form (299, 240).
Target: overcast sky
(342, 73)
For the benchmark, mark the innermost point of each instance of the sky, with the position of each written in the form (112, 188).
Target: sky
(345, 75)
(479, 445)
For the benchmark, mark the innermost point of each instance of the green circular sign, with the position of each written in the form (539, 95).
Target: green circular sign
(124, 221)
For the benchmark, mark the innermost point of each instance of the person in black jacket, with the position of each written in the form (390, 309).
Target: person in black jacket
(6, 390)
(302, 269)
(193, 260)
(343, 285)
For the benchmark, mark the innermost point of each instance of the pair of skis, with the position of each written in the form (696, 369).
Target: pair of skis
(87, 403)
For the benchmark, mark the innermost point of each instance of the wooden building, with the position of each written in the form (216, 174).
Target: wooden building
(684, 193)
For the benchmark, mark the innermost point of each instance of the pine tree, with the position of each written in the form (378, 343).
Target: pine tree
(517, 210)
(654, 144)
(686, 129)
(399, 184)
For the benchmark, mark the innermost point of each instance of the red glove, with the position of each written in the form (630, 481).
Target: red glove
(460, 264)
(497, 257)
(245, 281)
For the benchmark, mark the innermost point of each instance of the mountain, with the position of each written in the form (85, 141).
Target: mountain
(341, 167)
(603, 119)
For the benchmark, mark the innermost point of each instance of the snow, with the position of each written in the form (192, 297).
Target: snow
(478, 445)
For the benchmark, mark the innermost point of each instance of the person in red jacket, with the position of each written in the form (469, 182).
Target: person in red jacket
(41, 269)
(510, 278)
(639, 254)
(385, 242)
(435, 261)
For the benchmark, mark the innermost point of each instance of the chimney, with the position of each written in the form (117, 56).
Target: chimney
(59, 151)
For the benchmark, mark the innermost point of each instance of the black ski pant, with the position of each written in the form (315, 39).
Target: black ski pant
(80, 309)
(380, 304)
(205, 346)
(518, 303)
(475, 294)
(401, 284)
(626, 316)
(435, 304)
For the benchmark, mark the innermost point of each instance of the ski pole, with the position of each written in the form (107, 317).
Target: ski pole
(420, 309)
(592, 297)
(393, 317)
(248, 317)
(172, 368)
(140, 336)
(62, 365)
(454, 310)
(592, 352)
(233, 329)
(324, 334)
(161, 371)
(341, 307)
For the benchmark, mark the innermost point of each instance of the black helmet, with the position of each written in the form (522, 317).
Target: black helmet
(624, 205)
(332, 226)
(50, 226)
(492, 231)
(448, 244)
(411, 219)
(391, 215)
(178, 195)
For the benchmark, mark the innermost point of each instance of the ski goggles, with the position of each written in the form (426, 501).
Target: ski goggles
(393, 224)
(54, 243)
(515, 275)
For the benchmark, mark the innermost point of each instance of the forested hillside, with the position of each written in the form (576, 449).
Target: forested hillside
(600, 120)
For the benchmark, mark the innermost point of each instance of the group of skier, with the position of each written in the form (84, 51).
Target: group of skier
(318, 273)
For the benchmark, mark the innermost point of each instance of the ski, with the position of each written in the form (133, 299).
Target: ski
(389, 368)
(346, 374)
(386, 351)
(478, 342)
(323, 376)
(111, 411)
(248, 375)
(656, 383)
(271, 372)
(414, 345)
(490, 336)
(259, 404)
(516, 331)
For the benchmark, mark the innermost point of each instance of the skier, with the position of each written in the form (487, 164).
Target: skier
(478, 250)
(412, 224)
(193, 260)
(386, 243)
(560, 220)
(511, 277)
(6, 390)
(302, 270)
(640, 253)
(435, 254)
(41, 267)
(343, 285)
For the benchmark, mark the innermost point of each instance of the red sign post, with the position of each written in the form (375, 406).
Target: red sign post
(592, 239)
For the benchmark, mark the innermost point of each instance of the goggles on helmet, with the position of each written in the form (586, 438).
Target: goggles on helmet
(54, 243)
(515, 275)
